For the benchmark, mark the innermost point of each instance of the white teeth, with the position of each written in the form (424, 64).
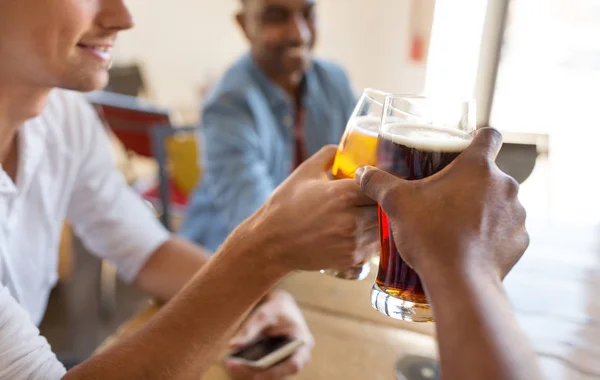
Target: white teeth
(104, 54)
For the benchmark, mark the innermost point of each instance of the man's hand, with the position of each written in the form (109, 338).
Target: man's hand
(462, 230)
(312, 223)
(467, 218)
(278, 314)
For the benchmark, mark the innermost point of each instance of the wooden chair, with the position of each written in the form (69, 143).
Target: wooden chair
(131, 121)
(126, 80)
(145, 130)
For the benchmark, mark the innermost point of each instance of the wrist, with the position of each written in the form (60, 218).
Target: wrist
(461, 283)
(257, 249)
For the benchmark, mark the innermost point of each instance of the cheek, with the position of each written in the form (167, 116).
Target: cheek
(54, 44)
(272, 37)
(25, 55)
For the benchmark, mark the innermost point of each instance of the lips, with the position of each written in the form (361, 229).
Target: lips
(102, 51)
(296, 51)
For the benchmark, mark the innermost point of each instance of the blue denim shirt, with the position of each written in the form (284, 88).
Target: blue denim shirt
(248, 142)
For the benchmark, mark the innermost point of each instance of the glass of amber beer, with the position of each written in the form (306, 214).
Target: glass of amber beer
(419, 136)
(357, 148)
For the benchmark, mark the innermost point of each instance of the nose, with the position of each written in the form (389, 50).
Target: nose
(115, 15)
(299, 31)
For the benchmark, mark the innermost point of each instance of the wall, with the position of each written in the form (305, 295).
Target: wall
(182, 44)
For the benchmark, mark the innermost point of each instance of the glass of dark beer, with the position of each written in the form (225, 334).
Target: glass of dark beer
(419, 137)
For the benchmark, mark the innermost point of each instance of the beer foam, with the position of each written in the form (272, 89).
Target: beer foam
(367, 125)
(427, 137)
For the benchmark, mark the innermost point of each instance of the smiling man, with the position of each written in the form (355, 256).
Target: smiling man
(273, 108)
(55, 163)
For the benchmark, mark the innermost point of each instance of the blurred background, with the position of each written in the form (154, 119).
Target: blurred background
(183, 46)
(534, 70)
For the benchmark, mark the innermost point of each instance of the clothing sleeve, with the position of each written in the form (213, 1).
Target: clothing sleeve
(110, 218)
(236, 174)
(24, 354)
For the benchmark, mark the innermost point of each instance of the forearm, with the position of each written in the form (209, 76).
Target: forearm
(188, 332)
(170, 268)
(474, 316)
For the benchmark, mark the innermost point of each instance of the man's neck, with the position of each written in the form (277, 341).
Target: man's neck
(291, 85)
(288, 83)
(18, 104)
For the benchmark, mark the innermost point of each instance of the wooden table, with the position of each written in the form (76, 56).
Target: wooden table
(555, 290)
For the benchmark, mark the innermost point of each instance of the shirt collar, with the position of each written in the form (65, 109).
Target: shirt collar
(7, 187)
(32, 144)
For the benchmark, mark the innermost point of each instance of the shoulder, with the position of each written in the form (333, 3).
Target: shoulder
(234, 86)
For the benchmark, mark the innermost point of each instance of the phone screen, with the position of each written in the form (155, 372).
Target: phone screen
(262, 348)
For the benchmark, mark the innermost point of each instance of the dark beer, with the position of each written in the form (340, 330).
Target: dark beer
(410, 152)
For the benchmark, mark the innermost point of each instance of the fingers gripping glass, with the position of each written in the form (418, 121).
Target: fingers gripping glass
(357, 148)
(419, 136)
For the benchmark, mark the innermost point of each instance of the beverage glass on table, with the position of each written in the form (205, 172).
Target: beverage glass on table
(357, 148)
(419, 137)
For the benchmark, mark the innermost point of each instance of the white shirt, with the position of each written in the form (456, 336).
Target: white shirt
(24, 354)
(66, 172)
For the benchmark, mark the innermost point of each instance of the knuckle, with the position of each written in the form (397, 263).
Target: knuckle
(526, 240)
(512, 186)
(522, 212)
(367, 179)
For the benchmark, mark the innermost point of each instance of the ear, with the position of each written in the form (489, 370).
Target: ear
(240, 19)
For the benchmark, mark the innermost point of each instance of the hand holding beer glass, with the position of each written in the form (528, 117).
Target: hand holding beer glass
(357, 148)
(419, 137)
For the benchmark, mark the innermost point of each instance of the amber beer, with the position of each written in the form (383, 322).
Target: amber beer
(411, 152)
(359, 147)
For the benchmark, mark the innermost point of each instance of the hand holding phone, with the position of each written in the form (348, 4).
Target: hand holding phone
(267, 351)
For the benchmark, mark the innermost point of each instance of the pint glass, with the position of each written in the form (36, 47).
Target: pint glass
(357, 148)
(419, 136)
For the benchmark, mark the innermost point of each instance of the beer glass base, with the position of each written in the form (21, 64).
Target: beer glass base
(399, 309)
(356, 273)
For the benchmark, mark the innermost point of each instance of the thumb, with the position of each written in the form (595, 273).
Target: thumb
(487, 143)
(251, 329)
(320, 162)
(376, 183)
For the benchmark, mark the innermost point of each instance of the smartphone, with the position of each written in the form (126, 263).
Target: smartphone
(267, 351)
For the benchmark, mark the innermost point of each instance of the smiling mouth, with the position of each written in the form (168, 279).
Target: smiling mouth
(296, 52)
(103, 52)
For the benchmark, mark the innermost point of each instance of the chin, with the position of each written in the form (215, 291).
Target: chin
(299, 67)
(86, 82)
